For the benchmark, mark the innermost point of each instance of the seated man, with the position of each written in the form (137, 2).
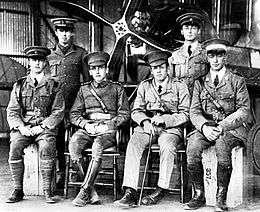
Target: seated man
(161, 108)
(100, 108)
(35, 109)
(219, 109)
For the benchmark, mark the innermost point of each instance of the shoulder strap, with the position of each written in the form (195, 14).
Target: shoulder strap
(18, 93)
(94, 93)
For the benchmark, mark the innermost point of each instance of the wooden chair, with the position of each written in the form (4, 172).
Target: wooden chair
(181, 165)
(112, 152)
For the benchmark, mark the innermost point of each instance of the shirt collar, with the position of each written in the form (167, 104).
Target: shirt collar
(220, 73)
(193, 45)
(102, 84)
(163, 84)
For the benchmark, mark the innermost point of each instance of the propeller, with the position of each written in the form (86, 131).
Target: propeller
(122, 28)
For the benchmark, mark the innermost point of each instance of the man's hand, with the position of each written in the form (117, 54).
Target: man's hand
(37, 130)
(211, 133)
(25, 131)
(101, 128)
(157, 121)
(90, 128)
(148, 127)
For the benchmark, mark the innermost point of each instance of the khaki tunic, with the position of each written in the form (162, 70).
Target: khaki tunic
(175, 96)
(231, 93)
(188, 68)
(43, 104)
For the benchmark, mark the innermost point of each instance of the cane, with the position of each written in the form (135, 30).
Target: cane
(145, 169)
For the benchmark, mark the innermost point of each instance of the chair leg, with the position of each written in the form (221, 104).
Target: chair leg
(115, 177)
(67, 162)
(181, 178)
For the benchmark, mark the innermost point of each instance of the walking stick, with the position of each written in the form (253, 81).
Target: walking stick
(145, 169)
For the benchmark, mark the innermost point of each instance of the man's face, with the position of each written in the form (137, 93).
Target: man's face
(37, 65)
(98, 72)
(190, 32)
(160, 72)
(64, 35)
(216, 60)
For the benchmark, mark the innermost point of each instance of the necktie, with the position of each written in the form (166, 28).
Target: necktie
(189, 50)
(159, 89)
(35, 82)
(216, 81)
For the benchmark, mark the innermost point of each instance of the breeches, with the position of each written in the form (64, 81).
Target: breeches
(197, 142)
(46, 142)
(81, 140)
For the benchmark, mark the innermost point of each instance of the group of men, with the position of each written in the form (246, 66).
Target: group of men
(182, 88)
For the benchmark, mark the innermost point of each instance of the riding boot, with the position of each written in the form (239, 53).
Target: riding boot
(84, 196)
(196, 178)
(46, 167)
(78, 173)
(223, 179)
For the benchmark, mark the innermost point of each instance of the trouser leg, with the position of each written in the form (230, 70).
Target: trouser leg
(168, 143)
(134, 152)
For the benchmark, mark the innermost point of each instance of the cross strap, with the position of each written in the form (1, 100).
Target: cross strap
(94, 93)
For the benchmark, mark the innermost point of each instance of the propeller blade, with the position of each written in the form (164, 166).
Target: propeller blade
(80, 11)
(117, 58)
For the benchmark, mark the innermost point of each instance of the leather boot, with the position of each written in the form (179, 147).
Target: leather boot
(92, 173)
(84, 196)
(16, 196)
(223, 179)
(196, 177)
(78, 173)
(154, 198)
(221, 199)
(47, 175)
(128, 200)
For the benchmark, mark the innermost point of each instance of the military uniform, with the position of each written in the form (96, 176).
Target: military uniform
(189, 64)
(98, 103)
(176, 97)
(87, 109)
(224, 105)
(67, 66)
(30, 105)
(188, 68)
(169, 101)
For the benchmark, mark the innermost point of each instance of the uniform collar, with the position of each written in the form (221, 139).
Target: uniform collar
(195, 48)
(100, 85)
(163, 84)
(222, 82)
(58, 50)
(30, 80)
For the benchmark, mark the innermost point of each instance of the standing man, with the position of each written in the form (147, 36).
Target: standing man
(219, 109)
(160, 109)
(35, 109)
(100, 108)
(188, 62)
(67, 65)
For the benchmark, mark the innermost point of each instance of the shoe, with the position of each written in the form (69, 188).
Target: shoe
(48, 197)
(197, 201)
(154, 198)
(94, 198)
(128, 200)
(82, 198)
(16, 196)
